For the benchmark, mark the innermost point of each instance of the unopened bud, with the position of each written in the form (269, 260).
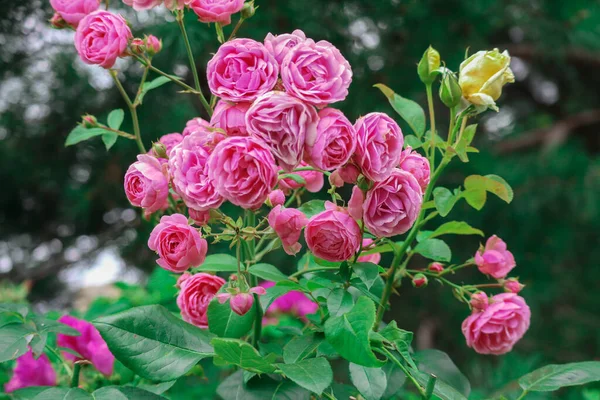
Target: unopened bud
(153, 45)
(335, 179)
(512, 285)
(137, 46)
(248, 10)
(276, 198)
(428, 66)
(58, 22)
(89, 121)
(159, 150)
(479, 301)
(349, 173)
(419, 281)
(450, 91)
(436, 267)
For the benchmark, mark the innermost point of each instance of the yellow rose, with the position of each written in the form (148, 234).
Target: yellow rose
(482, 76)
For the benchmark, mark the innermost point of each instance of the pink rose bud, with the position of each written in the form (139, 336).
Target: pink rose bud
(314, 181)
(349, 173)
(355, 205)
(379, 145)
(200, 218)
(333, 235)
(513, 285)
(147, 184)
(334, 141)
(182, 278)
(178, 245)
(479, 301)
(195, 295)
(419, 281)
(241, 303)
(293, 303)
(496, 329)
(335, 179)
(280, 45)
(287, 224)
(89, 121)
(137, 46)
(188, 167)
(284, 123)
(89, 345)
(101, 38)
(153, 45)
(215, 10)
(139, 5)
(73, 11)
(316, 73)
(176, 4)
(372, 258)
(243, 171)
(276, 198)
(417, 165)
(231, 117)
(392, 206)
(495, 259)
(242, 70)
(31, 372)
(58, 22)
(436, 267)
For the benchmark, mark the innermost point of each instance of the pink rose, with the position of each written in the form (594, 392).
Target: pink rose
(153, 45)
(287, 224)
(188, 167)
(200, 218)
(101, 38)
(31, 372)
(334, 142)
(293, 302)
(333, 235)
(276, 198)
(215, 10)
(314, 181)
(241, 71)
(513, 286)
(316, 73)
(280, 45)
(497, 328)
(73, 11)
(494, 259)
(195, 124)
(178, 245)
(139, 5)
(379, 146)
(170, 140)
(392, 206)
(196, 293)
(416, 164)
(372, 258)
(241, 303)
(231, 118)
(147, 184)
(243, 171)
(283, 123)
(89, 345)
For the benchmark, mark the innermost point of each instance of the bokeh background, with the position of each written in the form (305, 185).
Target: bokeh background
(67, 233)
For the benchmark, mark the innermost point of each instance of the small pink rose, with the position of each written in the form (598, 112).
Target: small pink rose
(495, 259)
(417, 165)
(276, 198)
(513, 285)
(231, 118)
(140, 5)
(101, 38)
(146, 184)
(479, 301)
(287, 224)
(280, 45)
(215, 10)
(195, 295)
(73, 11)
(334, 141)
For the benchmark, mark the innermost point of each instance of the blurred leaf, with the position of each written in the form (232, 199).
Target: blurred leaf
(80, 134)
(410, 111)
(267, 272)
(234, 388)
(224, 322)
(125, 393)
(313, 374)
(51, 393)
(242, 354)
(14, 341)
(441, 388)
(556, 376)
(434, 249)
(412, 141)
(370, 382)
(439, 364)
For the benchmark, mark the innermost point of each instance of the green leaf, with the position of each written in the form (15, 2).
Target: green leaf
(218, 263)
(410, 111)
(444, 200)
(16, 308)
(52, 393)
(464, 142)
(348, 334)
(156, 388)
(370, 382)
(439, 364)
(367, 272)
(224, 322)
(555, 376)
(313, 374)
(300, 347)
(504, 191)
(125, 393)
(412, 141)
(441, 388)
(401, 340)
(109, 139)
(267, 272)
(80, 134)
(115, 118)
(475, 198)
(434, 249)
(234, 388)
(154, 343)
(242, 354)
(455, 228)
(476, 187)
(339, 302)
(49, 325)
(14, 339)
(312, 208)
(158, 82)
(276, 291)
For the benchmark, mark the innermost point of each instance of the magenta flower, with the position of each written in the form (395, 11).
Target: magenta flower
(146, 184)
(101, 38)
(31, 372)
(287, 224)
(334, 142)
(280, 45)
(495, 259)
(293, 303)
(215, 10)
(89, 345)
(196, 293)
(231, 118)
(417, 165)
(73, 11)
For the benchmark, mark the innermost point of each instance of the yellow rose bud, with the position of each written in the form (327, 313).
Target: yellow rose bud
(482, 76)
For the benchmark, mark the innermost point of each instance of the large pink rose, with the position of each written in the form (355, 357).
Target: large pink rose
(231, 118)
(101, 38)
(139, 5)
(147, 184)
(293, 302)
(196, 292)
(316, 73)
(73, 11)
(31, 372)
(188, 167)
(417, 165)
(287, 224)
(372, 258)
(215, 10)
(333, 235)
(392, 206)
(243, 171)
(283, 123)
(178, 245)
(379, 146)
(241, 71)
(280, 45)
(334, 142)
(495, 259)
(314, 181)
(89, 345)
(496, 328)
